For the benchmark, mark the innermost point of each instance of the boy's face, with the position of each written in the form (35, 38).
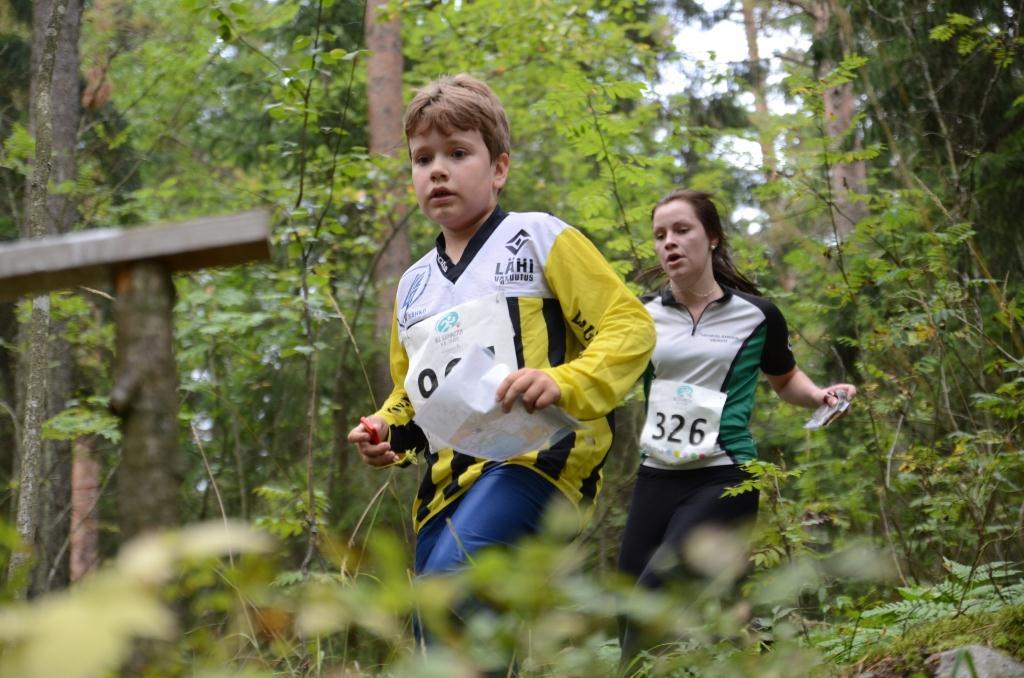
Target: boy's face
(456, 183)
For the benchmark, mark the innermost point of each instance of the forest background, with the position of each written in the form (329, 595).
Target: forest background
(882, 216)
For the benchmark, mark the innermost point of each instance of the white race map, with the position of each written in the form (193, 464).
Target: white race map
(462, 413)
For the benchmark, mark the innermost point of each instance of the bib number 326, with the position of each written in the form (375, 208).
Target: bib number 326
(677, 426)
(682, 422)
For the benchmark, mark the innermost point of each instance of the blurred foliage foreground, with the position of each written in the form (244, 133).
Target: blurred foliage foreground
(215, 103)
(211, 599)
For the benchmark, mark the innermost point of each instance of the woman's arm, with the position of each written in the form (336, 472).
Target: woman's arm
(796, 388)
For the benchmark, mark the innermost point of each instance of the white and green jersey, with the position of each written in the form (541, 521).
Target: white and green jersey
(703, 376)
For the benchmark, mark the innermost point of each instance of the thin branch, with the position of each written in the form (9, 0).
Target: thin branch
(213, 483)
(305, 105)
(892, 449)
(933, 100)
(98, 293)
(14, 420)
(355, 346)
(311, 379)
(888, 538)
(359, 523)
(615, 184)
(831, 202)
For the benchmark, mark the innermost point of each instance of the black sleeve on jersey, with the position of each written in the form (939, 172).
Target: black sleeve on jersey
(648, 380)
(777, 355)
(408, 438)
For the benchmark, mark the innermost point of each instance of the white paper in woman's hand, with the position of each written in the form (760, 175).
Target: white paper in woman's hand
(826, 414)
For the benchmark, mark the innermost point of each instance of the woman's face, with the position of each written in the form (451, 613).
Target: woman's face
(680, 241)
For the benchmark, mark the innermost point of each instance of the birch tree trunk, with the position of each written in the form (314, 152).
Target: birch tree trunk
(52, 569)
(27, 517)
(10, 426)
(384, 107)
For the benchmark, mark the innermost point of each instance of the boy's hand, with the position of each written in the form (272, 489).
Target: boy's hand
(537, 389)
(379, 454)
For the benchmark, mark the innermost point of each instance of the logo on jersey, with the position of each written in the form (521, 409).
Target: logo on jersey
(517, 241)
(448, 330)
(418, 277)
(685, 392)
(515, 270)
(586, 327)
(442, 263)
(448, 321)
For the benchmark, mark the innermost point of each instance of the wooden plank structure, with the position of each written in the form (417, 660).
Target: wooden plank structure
(91, 257)
(139, 262)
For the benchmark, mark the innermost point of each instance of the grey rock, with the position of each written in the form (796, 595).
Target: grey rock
(987, 663)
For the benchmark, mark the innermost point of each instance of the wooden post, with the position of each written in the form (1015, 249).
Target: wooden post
(139, 262)
(145, 396)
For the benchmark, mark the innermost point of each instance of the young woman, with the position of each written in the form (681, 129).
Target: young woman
(714, 334)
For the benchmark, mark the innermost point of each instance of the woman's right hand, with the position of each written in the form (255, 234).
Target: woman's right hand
(379, 454)
(830, 398)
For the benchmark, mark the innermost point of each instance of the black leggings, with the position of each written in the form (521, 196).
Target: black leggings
(666, 508)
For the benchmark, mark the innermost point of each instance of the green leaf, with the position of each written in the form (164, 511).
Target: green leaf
(941, 33)
(81, 420)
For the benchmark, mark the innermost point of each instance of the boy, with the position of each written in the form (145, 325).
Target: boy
(526, 285)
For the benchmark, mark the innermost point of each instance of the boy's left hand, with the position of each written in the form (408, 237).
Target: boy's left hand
(537, 389)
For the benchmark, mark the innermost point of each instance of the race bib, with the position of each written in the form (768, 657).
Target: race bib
(682, 422)
(436, 344)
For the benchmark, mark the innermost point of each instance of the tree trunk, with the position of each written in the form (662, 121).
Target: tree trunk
(27, 518)
(85, 496)
(846, 179)
(384, 105)
(758, 73)
(65, 110)
(62, 214)
(10, 427)
(145, 396)
(781, 232)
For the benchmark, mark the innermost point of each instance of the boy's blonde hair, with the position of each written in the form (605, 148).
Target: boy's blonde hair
(459, 102)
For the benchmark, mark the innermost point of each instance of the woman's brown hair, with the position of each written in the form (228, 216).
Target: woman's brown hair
(721, 263)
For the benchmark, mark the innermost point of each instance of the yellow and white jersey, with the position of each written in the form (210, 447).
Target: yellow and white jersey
(538, 293)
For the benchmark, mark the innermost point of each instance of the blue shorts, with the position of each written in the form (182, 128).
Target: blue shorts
(503, 505)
